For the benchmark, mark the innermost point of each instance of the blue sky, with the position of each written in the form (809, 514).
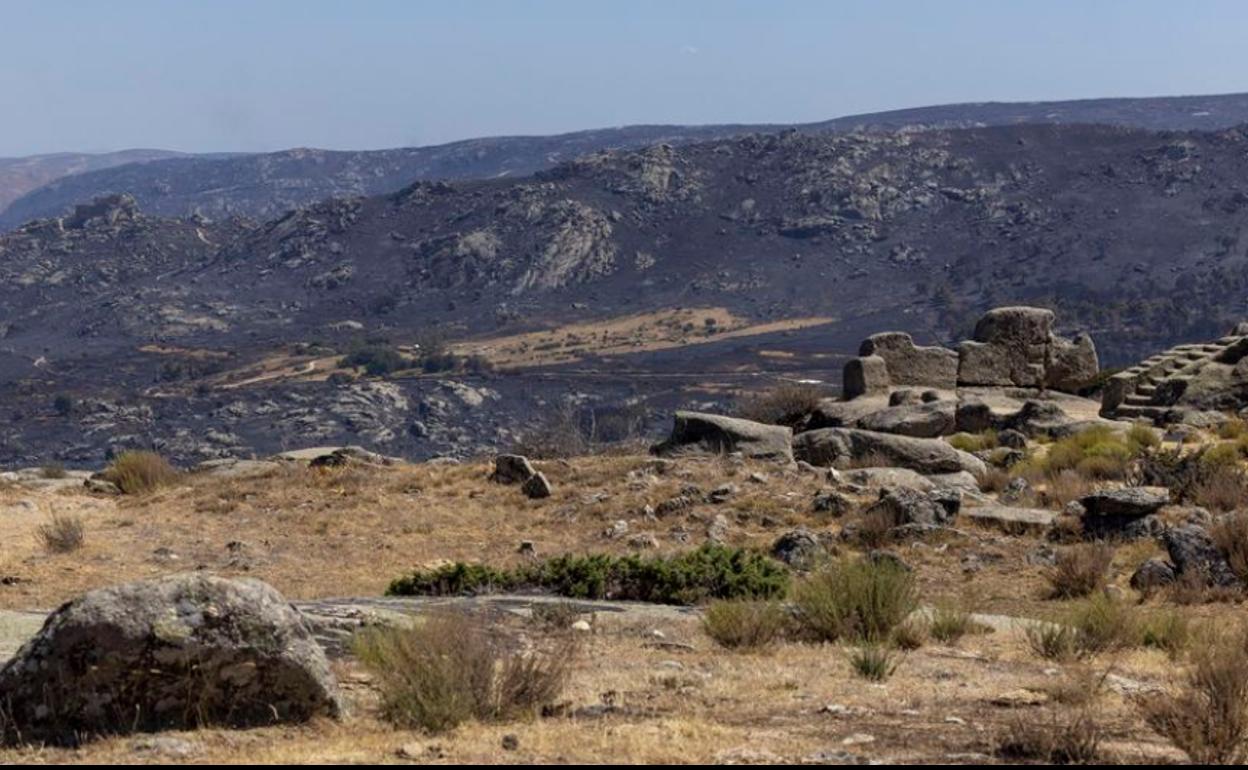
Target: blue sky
(210, 75)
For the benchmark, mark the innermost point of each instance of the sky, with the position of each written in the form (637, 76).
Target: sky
(255, 75)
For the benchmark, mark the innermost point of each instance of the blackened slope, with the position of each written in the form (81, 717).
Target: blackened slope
(264, 185)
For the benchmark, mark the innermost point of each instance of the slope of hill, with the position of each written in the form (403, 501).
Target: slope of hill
(232, 329)
(19, 176)
(265, 185)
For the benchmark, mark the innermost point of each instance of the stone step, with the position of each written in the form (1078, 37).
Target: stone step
(1138, 400)
(1131, 412)
(1146, 389)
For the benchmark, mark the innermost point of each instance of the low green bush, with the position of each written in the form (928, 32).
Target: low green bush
(745, 623)
(710, 572)
(861, 600)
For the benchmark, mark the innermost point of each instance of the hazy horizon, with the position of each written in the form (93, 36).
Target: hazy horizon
(234, 76)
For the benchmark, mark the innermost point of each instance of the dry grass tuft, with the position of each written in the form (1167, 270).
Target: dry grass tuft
(1230, 535)
(449, 669)
(874, 662)
(1079, 570)
(789, 403)
(1057, 738)
(1207, 718)
(745, 624)
(137, 471)
(63, 533)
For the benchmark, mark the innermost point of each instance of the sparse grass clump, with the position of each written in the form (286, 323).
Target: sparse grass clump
(789, 403)
(53, 471)
(1222, 487)
(448, 670)
(745, 624)
(710, 572)
(973, 442)
(1093, 626)
(63, 533)
(1079, 570)
(1230, 535)
(1167, 630)
(1207, 717)
(1096, 453)
(1233, 428)
(1056, 738)
(874, 662)
(138, 471)
(860, 600)
(949, 624)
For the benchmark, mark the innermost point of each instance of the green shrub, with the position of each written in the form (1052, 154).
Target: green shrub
(949, 624)
(874, 662)
(710, 572)
(448, 670)
(377, 359)
(745, 623)
(861, 600)
(1053, 641)
(1098, 450)
(1104, 624)
(135, 472)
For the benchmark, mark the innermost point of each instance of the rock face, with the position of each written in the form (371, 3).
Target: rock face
(512, 469)
(1133, 502)
(910, 364)
(168, 653)
(1011, 347)
(839, 447)
(698, 433)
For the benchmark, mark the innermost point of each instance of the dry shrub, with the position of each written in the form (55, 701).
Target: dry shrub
(875, 527)
(789, 403)
(909, 635)
(1079, 570)
(1056, 738)
(1167, 630)
(1193, 588)
(53, 471)
(1104, 624)
(994, 480)
(449, 669)
(1222, 487)
(63, 533)
(138, 471)
(1065, 486)
(860, 600)
(1234, 428)
(1053, 641)
(949, 624)
(1230, 535)
(745, 624)
(1207, 717)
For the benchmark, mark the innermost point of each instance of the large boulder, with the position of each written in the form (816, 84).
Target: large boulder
(910, 364)
(1131, 502)
(865, 376)
(1195, 556)
(930, 420)
(904, 506)
(844, 447)
(169, 653)
(698, 433)
(1009, 348)
(1073, 364)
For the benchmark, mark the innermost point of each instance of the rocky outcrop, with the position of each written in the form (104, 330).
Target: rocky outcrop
(843, 447)
(910, 364)
(1011, 347)
(698, 433)
(170, 653)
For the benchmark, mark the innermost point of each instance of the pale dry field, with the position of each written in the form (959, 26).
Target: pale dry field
(634, 696)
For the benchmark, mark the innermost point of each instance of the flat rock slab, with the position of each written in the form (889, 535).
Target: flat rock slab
(1010, 518)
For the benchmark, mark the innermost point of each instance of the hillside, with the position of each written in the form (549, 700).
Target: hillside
(19, 176)
(788, 248)
(265, 185)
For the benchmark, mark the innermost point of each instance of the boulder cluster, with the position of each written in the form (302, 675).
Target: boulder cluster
(1011, 347)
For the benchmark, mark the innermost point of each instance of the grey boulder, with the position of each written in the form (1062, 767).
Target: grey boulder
(169, 653)
(842, 447)
(699, 433)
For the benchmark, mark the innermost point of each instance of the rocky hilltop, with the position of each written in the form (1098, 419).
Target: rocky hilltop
(266, 184)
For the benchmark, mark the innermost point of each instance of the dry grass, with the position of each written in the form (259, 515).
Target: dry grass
(449, 669)
(1207, 716)
(745, 624)
(138, 472)
(1223, 487)
(63, 533)
(788, 403)
(1057, 737)
(1079, 570)
(859, 600)
(874, 662)
(1230, 535)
